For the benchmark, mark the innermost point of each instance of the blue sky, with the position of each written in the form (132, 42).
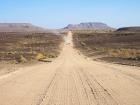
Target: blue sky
(59, 13)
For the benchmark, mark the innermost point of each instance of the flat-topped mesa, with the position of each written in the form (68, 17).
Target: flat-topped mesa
(89, 25)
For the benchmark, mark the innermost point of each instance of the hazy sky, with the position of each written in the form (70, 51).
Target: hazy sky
(59, 13)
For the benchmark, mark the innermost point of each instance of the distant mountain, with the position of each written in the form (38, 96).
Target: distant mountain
(20, 27)
(88, 25)
(129, 29)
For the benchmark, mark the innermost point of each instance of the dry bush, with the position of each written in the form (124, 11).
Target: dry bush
(82, 43)
(40, 56)
(52, 55)
(124, 53)
(20, 59)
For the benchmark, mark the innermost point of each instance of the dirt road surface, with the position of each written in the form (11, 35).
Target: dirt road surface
(72, 80)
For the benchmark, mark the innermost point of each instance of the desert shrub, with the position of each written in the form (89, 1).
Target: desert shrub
(20, 59)
(40, 56)
(23, 59)
(52, 55)
(124, 53)
(82, 43)
(113, 53)
(10, 53)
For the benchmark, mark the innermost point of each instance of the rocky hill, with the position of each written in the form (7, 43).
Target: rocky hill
(129, 29)
(20, 27)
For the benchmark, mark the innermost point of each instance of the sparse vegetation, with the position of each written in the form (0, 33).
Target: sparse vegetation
(22, 47)
(116, 47)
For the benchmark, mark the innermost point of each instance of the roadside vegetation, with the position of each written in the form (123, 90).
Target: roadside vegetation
(19, 47)
(116, 47)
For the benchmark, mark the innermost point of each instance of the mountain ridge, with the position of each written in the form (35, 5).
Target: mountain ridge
(20, 27)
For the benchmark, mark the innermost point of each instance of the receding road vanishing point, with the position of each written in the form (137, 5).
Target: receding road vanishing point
(72, 79)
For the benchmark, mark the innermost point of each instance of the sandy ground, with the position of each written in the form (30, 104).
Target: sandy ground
(8, 67)
(72, 80)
